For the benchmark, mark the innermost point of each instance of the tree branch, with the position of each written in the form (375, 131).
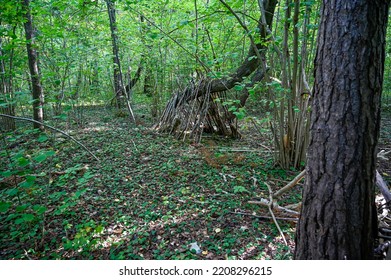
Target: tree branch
(290, 185)
(52, 128)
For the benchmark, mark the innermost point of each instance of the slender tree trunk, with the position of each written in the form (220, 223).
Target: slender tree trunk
(37, 91)
(339, 219)
(6, 124)
(118, 82)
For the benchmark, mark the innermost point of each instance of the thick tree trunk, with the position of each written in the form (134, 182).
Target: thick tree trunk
(32, 54)
(339, 219)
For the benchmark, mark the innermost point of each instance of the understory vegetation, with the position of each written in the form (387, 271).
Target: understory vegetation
(149, 196)
(135, 129)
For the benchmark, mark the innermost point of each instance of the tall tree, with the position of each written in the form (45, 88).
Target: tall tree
(338, 219)
(119, 86)
(118, 81)
(6, 91)
(37, 91)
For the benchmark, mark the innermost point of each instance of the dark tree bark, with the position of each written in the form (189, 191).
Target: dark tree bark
(32, 54)
(338, 219)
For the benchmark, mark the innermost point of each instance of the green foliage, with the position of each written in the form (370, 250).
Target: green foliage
(86, 238)
(27, 188)
(150, 197)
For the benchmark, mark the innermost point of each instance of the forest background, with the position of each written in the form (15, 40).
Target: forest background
(163, 129)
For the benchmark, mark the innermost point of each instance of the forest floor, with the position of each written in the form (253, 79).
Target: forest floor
(149, 197)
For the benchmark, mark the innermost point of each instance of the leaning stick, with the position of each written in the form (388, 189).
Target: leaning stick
(379, 182)
(265, 202)
(272, 214)
(52, 128)
(290, 185)
(264, 217)
(383, 187)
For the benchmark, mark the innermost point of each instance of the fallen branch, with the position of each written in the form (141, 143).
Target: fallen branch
(379, 182)
(383, 187)
(383, 248)
(265, 217)
(52, 128)
(382, 154)
(265, 202)
(272, 214)
(290, 185)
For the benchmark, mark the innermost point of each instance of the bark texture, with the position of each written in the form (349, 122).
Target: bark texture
(32, 54)
(339, 219)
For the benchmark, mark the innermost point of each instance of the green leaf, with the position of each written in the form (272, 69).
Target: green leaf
(99, 229)
(19, 221)
(232, 109)
(12, 192)
(61, 117)
(42, 138)
(238, 87)
(50, 153)
(43, 156)
(21, 208)
(39, 209)
(6, 174)
(40, 158)
(28, 217)
(28, 182)
(4, 206)
(240, 115)
(240, 189)
(22, 162)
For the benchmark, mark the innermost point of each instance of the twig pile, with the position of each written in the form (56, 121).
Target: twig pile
(188, 113)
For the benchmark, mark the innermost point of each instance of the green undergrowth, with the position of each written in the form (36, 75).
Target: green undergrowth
(149, 197)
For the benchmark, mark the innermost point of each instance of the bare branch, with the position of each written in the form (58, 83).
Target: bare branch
(290, 185)
(272, 214)
(52, 128)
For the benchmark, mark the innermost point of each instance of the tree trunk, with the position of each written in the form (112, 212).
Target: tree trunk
(37, 91)
(339, 219)
(133, 81)
(6, 107)
(118, 82)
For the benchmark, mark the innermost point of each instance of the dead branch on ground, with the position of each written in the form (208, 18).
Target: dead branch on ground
(52, 128)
